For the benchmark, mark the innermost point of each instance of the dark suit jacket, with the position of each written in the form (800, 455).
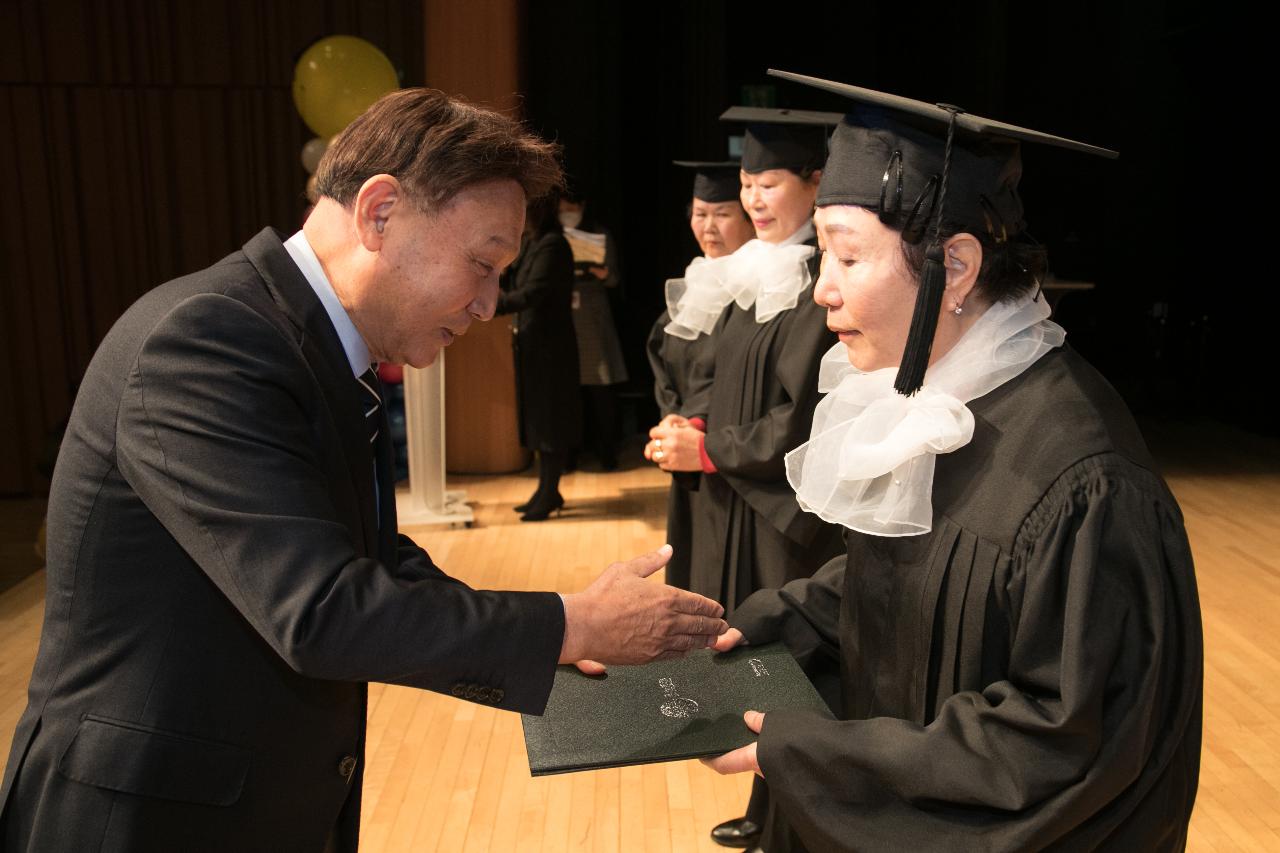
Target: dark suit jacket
(220, 587)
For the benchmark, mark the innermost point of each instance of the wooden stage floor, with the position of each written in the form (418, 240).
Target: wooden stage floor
(449, 775)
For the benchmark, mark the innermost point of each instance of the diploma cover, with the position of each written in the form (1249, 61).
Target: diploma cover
(668, 711)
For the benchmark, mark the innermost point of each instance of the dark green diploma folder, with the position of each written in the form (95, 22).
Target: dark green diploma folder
(667, 711)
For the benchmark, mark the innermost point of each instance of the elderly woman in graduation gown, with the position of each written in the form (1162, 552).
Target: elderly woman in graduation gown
(538, 289)
(757, 304)
(769, 337)
(720, 226)
(1016, 614)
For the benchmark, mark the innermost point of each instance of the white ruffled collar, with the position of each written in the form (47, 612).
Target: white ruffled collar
(769, 275)
(869, 461)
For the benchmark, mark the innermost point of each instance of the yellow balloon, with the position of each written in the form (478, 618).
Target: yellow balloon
(336, 79)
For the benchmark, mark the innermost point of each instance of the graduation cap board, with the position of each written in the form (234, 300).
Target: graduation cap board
(666, 711)
(781, 138)
(714, 182)
(917, 165)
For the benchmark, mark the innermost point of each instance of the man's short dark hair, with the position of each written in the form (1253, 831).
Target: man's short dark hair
(436, 146)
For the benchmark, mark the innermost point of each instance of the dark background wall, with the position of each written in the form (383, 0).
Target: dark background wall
(142, 140)
(1176, 320)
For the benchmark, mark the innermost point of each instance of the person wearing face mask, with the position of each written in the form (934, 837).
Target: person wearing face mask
(720, 226)
(748, 532)
(1016, 615)
(600, 364)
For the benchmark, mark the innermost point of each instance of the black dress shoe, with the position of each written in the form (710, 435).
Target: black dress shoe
(524, 507)
(540, 508)
(739, 832)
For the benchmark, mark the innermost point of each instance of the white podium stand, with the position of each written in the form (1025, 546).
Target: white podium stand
(426, 501)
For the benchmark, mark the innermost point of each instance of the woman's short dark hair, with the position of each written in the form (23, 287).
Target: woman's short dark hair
(436, 146)
(1009, 269)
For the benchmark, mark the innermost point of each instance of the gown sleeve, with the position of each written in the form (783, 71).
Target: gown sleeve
(665, 392)
(754, 450)
(1089, 735)
(699, 373)
(804, 614)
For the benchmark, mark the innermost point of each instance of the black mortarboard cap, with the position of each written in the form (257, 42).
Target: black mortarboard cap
(782, 139)
(916, 164)
(714, 182)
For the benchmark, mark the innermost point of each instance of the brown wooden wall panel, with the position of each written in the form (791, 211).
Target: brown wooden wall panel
(481, 425)
(458, 33)
(142, 139)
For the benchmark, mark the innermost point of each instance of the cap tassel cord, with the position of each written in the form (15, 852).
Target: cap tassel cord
(933, 283)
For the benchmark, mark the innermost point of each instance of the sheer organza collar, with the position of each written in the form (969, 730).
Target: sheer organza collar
(770, 276)
(869, 461)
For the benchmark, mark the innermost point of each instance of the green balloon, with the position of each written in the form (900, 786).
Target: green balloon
(338, 78)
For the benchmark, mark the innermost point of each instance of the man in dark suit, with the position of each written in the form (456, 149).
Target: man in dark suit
(224, 570)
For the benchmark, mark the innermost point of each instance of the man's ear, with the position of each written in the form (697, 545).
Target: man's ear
(380, 199)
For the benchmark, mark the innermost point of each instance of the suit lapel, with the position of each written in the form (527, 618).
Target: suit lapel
(323, 351)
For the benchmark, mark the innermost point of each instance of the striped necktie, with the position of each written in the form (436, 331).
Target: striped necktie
(372, 402)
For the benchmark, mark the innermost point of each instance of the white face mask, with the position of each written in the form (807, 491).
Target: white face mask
(570, 218)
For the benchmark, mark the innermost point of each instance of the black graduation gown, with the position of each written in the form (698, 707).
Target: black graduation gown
(1026, 676)
(539, 290)
(749, 532)
(681, 386)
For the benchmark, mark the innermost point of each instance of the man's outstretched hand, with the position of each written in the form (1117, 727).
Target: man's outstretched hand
(621, 618)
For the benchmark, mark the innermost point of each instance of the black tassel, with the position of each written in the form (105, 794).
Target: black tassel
(933, 284)
(924, 323)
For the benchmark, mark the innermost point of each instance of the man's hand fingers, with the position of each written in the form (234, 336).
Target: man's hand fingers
(647, 564)
(591, 667)
(698, 605)
(741, 760)
(703, 628)
(729, 639)
(753, 719)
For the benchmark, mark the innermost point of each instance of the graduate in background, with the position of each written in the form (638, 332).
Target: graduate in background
(596, 283)
(1016, 615)
(538, 289)
(748, 531)
(721, 226)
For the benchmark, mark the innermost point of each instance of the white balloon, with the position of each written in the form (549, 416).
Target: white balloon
(311, 153)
